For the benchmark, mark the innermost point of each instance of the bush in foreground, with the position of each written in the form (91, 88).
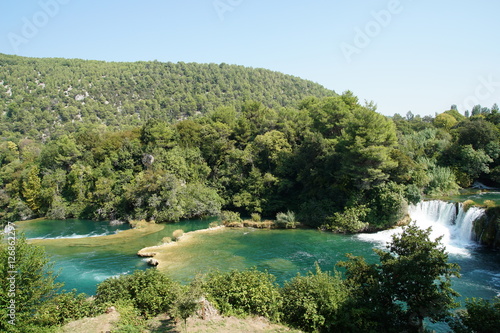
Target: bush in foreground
(150, 291)
(312, 302)
(241, 293)
(480, 316)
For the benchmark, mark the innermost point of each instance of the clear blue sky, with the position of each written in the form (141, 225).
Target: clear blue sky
(417, 55)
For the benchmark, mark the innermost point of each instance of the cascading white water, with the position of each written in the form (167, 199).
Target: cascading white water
(446, 219)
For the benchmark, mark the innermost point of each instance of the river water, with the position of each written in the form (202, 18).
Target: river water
(283, 253)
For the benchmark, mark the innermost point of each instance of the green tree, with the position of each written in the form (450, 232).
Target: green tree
(416, 272)
(445, 120)
(248, 292)
(150, 291)
(313, 302)
(480, 316)
(365, 146)
(28, 281)
(32, 187)
(411, 283)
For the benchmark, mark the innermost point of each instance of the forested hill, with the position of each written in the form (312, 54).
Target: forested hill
(37, 95)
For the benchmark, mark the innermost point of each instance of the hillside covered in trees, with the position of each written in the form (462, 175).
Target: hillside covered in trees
(39, 96)
(107, 141)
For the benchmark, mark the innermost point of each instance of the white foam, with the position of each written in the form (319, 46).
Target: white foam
(445, 220)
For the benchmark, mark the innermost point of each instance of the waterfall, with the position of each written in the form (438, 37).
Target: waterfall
(446, 219)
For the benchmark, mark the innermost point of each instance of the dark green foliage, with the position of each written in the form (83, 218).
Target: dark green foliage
(480, 316)
(164, 142)
(387, 205)
(349, 221)
(248, 292)
(411, 283)
(32, 283)
(150, 291)
(313, 302)
(66, 307)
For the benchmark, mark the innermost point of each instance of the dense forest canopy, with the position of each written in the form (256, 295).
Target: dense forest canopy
(163, 142)
(38, 96)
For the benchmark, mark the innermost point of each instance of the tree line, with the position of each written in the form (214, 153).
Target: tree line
(337, 163)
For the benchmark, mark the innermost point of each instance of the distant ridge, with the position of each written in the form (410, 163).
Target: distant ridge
(39, 95)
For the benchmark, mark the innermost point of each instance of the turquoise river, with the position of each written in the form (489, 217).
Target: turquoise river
(85, 261)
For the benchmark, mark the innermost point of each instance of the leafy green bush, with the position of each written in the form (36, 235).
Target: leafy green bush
(248, 292)
(442, 181)
(480, 316)
(188, 301)
(286, 220)
(228, 216)
(34, 283)
(150, 291)
(65, 307)
(349, 221)
(256, 217)
(312, 302)
(387, 205)
(413, 194)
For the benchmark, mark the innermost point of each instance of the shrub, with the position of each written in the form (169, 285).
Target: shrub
(213, 224)
(467, 204)
(130, 318)
(489, 203)
(65, 307)
(481, 316)
(150, 291)
(177, 234)
(241, 293)
(412, 194)
(442, 182)
(349, 221)
(286, 220)
(189, 300)
(228, 216)
(256, 217)
(312, 302)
